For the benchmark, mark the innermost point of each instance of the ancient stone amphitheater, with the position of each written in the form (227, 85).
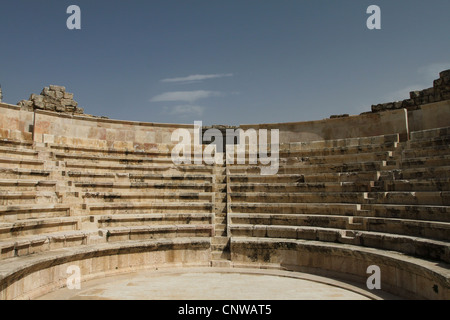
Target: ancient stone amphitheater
(104, 195)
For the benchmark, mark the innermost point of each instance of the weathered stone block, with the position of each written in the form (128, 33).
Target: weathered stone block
(68, 95)
(57, 88)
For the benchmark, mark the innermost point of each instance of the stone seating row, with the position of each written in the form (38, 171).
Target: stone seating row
(94, 168)
(412, 153)
(336, 159)
(435, 230)
(415, 246)
(319, 168)
(34, 275)
(160, 185)
(33, 211)
(291, 149)
(437, 198)
(89, 177)
(24, 237)
(343, 143)
(427, 135)
(404, 275)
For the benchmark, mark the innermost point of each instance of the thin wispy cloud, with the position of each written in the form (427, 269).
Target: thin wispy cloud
(185, 96)
(196, 78)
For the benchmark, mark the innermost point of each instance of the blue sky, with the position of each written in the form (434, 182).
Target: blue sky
(223, 61)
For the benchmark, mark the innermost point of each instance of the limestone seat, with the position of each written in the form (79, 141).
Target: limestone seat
(420, 247)
(306, 178)
(348, 209)
(408, 276)
(21, 228)
(9, 198)
(27, 185)
(146, 208)
(298, 197)
(424, 152)
(337, 159)
(432, 161)
(407, 211)
(292, 149)
(320, 168)
(20, 173)
(155, 196)
(8, 162)
(342, 143)
(83, 158)
(127, 220)
(435, 198)
(33, 211)
(416, 173)
(144, 186)
(157, 232)
(415, 228)
(36, 244)
(16, 143)
(433, 184)
(360, 186)
(18, 153)
(33, 275)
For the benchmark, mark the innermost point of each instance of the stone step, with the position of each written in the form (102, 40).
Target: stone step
(21, 228)
(27, 185)
(147, 208)
(291, 150)
(127, 220)
(220, 240)
(364, 186)
(17, 173)
(413, 198)
(6, 162)
(430, 134)
(349, 142)
(98, 158)
(408, 211)
(34, 211)
(157, 232)
(319, 168)
(336, 159)
(221, 264)
(415, 246)
(18, 152)
(146, 196)
(436, 161)
(426, 152)
(97, 168)
(298, 208)
(416, 185)
(298, 197)
(220, 256)
(416, 173)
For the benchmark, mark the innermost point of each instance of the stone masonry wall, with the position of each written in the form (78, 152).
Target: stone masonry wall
(439, 92)
(52, 98)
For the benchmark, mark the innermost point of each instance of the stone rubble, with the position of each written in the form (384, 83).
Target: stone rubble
(52, 98)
